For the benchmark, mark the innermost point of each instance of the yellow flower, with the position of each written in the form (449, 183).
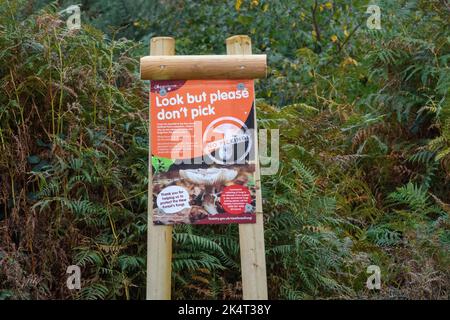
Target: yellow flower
(350, 61)
(346, 33)
(329, 5)
(321, 8)
(238, 4)
(334, 38)
(265, 7)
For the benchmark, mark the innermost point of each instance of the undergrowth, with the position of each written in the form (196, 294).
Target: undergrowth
(364, 124)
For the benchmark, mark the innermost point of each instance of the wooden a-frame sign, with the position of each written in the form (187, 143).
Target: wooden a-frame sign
(238, 64)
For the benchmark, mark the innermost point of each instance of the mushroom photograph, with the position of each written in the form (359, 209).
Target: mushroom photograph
(205, 187)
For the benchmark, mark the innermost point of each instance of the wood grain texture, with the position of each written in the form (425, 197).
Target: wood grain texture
(251, 236)
(203, 67)
(159, 238)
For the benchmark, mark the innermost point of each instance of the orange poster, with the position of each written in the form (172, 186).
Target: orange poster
(203, 151)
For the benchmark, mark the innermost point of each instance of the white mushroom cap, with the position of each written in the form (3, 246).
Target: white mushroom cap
(208, 176)
(228, 129)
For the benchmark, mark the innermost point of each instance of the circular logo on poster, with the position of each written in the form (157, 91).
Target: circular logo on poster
(227, 141)
(173, 199)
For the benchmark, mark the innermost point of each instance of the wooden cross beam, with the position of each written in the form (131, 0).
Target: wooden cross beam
(204, 67)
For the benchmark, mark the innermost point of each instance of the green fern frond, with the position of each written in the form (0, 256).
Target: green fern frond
(88, 257)
(95, 291)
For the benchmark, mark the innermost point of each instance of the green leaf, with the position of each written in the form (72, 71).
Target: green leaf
(162, 164)
(245, 20)
(33, 159)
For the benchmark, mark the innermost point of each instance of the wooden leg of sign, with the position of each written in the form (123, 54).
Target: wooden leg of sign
(251, 236)
(159, 238)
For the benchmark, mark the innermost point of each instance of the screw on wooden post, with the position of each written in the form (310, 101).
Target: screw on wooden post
(159, 238)
(251, 236)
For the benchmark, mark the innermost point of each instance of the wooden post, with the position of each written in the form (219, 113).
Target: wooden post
(251, 236)
(159, 238)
